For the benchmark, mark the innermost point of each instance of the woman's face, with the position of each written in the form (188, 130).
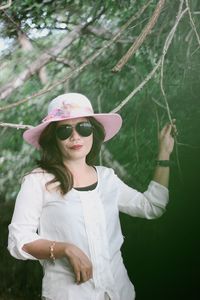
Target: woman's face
(75, 147)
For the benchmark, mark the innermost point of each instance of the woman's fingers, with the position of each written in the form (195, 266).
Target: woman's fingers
(86, 272)
(166, 129)
(174, 129)
(78, 276)
(80, 263)
(83, 275)
(169, 128)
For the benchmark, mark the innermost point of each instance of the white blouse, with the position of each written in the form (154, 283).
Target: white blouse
(87, 219)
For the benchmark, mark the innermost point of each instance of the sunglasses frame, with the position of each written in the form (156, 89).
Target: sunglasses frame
(76, 127)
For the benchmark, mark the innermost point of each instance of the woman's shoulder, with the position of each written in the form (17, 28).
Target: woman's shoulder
(104, 171)
(38, 174)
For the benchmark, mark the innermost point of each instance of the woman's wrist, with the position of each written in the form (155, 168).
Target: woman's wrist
(67, 249)
(163, 156)
(58, 250)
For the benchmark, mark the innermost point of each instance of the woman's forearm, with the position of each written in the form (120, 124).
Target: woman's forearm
(41, 249)
(161, 174)
(81, 264)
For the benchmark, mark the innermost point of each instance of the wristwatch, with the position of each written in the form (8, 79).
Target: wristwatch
(163, 163)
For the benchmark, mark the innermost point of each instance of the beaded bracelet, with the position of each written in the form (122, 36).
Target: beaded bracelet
(51, 248)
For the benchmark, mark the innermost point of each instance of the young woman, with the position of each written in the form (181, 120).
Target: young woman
(67, 211)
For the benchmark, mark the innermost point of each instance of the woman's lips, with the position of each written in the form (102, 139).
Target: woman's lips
(76, 147)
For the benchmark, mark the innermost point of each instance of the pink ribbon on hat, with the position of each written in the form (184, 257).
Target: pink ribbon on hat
(67, 112)
(57, 113)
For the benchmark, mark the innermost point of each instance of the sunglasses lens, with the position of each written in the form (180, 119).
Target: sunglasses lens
(64, 132)
(84, 129)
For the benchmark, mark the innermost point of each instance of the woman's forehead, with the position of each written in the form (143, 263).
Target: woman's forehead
(72, 121)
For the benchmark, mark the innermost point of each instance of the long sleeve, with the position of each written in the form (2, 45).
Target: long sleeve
(25, 220)
(150, 204)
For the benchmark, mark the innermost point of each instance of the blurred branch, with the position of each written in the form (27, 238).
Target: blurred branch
(99, 32)
(140, 39)
(104, 34)
(40, 62)
(81, 67)
(112, 162)
(6, 5)
(64, 61)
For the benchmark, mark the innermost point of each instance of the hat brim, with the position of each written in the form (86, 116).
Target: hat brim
(111, 122)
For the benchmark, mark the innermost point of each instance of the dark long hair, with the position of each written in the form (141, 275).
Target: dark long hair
(51, 156)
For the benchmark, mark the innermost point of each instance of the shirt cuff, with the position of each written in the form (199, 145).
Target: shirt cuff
(158, 194)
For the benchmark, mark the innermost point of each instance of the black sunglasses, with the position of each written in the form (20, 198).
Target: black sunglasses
(84, 129)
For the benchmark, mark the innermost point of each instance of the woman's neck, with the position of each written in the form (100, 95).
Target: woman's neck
(76, 166)
(83, 174)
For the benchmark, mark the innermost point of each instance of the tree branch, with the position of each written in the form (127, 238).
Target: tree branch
(140, 39)
(138, 88)
(151, 74)
(6, 5)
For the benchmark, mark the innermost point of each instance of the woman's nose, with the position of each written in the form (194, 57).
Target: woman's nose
(74, 134)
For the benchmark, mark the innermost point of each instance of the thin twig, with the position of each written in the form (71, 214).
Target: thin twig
(192, 22)
(135, 137)
(187, 145)
(165, 49)
(158, 103)
(17, 126)
(157, 121)
(140, 39)
(6, 5)
(138, 88)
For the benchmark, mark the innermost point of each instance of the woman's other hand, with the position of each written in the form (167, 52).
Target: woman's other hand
(80, 263)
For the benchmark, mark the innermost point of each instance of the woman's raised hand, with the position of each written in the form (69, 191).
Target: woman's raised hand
(166, 140)
(80, 263)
